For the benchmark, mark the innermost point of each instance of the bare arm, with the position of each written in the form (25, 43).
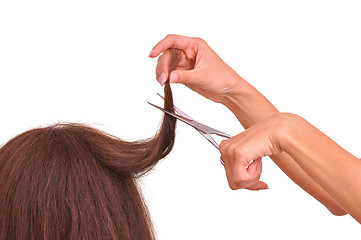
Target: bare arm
(333, 168)
(329, 166)
(251, 107)
(198, 67)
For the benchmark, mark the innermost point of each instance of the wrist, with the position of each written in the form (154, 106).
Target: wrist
(288, 123)
(237, 93)
(247, 103)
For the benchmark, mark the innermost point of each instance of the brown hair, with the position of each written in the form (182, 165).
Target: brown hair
(71, 181)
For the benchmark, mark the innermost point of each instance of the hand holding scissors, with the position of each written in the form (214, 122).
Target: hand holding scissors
(244, 175)
(311, 162)
(203, 129)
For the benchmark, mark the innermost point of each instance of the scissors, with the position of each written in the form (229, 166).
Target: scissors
(203, 129)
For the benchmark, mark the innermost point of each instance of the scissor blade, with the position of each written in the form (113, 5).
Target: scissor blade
(183, 119)
(222, 134)
(180, 112)
(211, 140)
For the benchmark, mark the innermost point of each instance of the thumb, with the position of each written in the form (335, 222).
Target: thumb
(182, 76)
(259, 186)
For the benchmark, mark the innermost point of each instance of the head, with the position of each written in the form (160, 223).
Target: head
(71, 181)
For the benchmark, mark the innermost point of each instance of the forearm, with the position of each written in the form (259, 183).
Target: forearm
(251, 107)
(291, 168)
(248, 104)
(333, 168)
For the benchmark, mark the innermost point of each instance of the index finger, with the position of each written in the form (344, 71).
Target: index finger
(172, 41)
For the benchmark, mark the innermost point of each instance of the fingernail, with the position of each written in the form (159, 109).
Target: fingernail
(162, 78)
(150, 53)
(173, 78)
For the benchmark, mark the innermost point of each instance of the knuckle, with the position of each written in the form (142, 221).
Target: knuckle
(240, 152)
(238, 181)
(232, 186)
(170, 35)
(241, 179)
(199, 40)
(224, 146)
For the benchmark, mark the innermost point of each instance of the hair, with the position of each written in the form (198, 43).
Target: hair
(72, 181)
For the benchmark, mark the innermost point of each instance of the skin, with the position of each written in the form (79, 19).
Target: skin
(306, 155)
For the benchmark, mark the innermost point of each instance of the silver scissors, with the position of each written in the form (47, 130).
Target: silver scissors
(203, 129)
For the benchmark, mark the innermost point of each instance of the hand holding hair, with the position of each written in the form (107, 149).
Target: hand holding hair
(192, 62)
(311, 159)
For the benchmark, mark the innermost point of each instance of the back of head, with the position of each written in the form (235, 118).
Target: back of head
(71, 181)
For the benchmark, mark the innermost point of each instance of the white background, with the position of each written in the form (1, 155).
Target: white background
(86, 61)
